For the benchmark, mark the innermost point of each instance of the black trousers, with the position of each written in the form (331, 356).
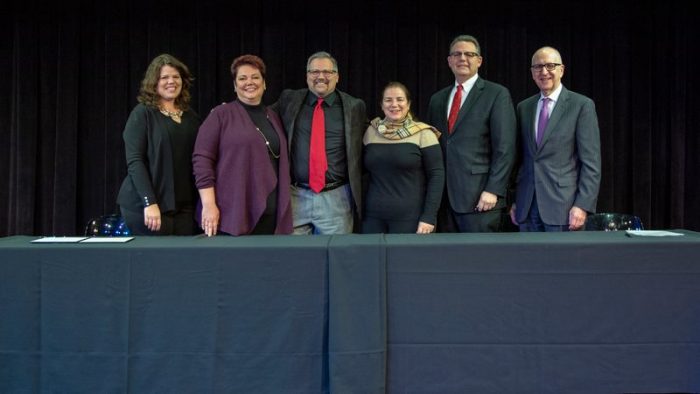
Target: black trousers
(180, 222)
(450, 221)
(372, 225)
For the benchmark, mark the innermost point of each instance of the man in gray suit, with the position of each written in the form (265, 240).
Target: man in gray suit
(558, 182)
(335, 206)
(477, 122)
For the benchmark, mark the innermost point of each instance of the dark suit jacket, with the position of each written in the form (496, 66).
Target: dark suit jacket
(565, 169)
(480, 153)
(355, 122)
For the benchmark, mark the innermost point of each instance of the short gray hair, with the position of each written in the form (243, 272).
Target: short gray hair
(322, 55)
(466, 38)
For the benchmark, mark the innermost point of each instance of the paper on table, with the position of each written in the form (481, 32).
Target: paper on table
(653, 233)
(106, 240)
(53, 240)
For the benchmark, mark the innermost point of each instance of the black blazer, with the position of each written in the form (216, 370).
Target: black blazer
(149, 158)
(355, 122)
(480, 153)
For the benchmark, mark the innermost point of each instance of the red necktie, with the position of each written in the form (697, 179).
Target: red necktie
(317, 152)
(454, 109)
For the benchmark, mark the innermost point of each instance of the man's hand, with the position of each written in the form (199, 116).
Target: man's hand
(486, 202)
(577, 217)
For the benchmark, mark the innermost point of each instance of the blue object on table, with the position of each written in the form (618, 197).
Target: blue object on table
(107, 226)
(613, 222)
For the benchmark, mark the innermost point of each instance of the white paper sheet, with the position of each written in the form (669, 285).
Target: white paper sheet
(106, 240)
(59, 240)
(653, 233)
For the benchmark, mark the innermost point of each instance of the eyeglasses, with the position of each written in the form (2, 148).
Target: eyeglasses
(458, 54)
(548, 66)
(326, 73)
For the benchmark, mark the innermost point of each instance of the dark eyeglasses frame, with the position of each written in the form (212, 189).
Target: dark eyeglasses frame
(326, 73)
(548, 66)
(469, 55)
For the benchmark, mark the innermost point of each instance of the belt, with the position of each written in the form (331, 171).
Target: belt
(329, 186)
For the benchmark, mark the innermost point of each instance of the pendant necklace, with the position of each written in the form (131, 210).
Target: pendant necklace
(269, 148)
(176, 115)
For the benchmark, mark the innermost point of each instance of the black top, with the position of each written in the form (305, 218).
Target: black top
(259, 117)
(335, 140)
(182, 144)
(406, 181)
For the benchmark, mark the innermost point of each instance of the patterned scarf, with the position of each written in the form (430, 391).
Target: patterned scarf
(402, 129)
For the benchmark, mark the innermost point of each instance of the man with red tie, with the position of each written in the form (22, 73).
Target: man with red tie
(324, 129)
(477, 119)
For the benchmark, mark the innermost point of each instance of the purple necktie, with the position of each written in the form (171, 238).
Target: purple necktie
(542, 122)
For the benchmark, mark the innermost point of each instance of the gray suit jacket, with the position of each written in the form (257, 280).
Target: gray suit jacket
(355, 122)
(480, 153)
(564, 171)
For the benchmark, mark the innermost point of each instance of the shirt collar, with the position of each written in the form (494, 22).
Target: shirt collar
(311, 98)
(469, 83)
(555, 94)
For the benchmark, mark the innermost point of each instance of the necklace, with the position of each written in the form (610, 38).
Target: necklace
(276, 156)
(176, 115)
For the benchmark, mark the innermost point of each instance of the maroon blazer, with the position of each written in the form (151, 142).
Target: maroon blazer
(231, 156)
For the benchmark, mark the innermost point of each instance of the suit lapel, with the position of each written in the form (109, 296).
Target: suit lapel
(529, 123)
(295, 103)
(347, 120)
(438, 114)
(558, 111)
(472, 98)
(441, 120)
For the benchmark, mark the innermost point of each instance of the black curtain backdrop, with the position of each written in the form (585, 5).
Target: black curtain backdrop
(74, 69)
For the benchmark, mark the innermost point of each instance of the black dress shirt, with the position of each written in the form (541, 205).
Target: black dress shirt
(335, 140)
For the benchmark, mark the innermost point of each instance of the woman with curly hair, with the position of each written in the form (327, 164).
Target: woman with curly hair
(158, 195)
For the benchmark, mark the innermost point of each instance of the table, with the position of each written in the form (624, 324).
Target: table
(587, 312)
(576, 312)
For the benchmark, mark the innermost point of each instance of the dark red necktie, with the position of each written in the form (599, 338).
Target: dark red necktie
(317, 151)
(454, 109)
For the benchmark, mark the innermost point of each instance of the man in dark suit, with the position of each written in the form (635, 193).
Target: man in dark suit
(558, 182)
(334, 205)
(478, 142)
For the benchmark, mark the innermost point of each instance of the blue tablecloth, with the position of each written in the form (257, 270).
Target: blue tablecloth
(445, 313)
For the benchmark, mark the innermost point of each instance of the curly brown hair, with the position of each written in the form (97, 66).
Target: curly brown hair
(148, 94)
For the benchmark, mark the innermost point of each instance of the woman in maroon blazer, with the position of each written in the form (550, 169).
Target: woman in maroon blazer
(240, 161)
